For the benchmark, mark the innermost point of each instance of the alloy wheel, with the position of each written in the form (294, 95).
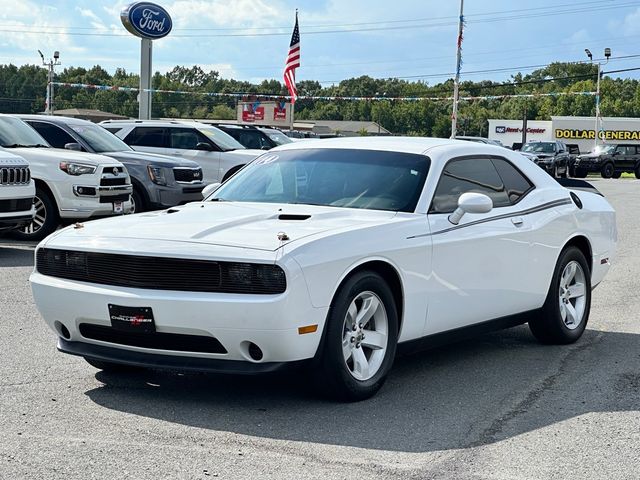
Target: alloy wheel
(365, 335)
(572, 295)
(39, 218)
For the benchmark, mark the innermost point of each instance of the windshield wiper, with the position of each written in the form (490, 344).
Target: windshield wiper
(229, 149)
(39, 145)
(17, 145)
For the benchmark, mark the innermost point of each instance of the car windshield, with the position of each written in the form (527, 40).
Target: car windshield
(223, 140)
(346, 178)
(278, 137)
(607, 149)
(15, 133)
(99, 139)
(539, 147)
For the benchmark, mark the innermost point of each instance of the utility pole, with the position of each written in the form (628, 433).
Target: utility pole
(456, 81)
(607, 54)
(53, 62)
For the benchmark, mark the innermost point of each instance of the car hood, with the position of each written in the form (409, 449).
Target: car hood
(258, 226)
(63, 154)
(165, 161)
(7, 158)
(588, 157)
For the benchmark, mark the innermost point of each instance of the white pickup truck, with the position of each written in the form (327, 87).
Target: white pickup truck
(70, 185)
(17, 190)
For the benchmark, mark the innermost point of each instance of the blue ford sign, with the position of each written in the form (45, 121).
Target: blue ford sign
(146, 20)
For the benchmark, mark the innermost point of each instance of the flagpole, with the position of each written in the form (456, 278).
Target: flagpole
(456, 82)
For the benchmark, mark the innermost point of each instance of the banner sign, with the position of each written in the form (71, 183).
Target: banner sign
(602, 134)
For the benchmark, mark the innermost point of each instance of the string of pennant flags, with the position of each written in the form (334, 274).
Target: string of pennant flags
(115, 88)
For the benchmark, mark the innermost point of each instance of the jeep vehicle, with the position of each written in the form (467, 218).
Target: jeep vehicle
(256, 137)
(158, 181)
(17, 190)
(219, 154)
(610, 161)
(70, 185)
(553, 157)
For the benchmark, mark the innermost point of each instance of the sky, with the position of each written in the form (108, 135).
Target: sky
(411, 39)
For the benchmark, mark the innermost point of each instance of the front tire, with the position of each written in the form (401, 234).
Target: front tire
(607, 170)
(360, 339)
(45, 221)
(138, 204)
(616, 175)
(564, 315)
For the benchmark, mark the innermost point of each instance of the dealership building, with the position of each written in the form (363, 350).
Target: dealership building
(571, 130)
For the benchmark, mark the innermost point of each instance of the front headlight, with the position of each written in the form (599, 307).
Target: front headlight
(71, 168)
(156, 174)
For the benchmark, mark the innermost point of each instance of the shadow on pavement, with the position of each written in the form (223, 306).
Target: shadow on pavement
(16, 257)
(473, 393)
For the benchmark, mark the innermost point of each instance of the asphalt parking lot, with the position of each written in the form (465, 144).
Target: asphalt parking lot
(498, 407)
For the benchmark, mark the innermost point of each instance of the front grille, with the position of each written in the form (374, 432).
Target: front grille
(156, 340)
(124, 197)
(109, 182)
(13, 205)
(159, 273)
(187, 175)
(15, 175)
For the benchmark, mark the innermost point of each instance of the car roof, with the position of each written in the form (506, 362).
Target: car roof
(59, 120)
(418, 145)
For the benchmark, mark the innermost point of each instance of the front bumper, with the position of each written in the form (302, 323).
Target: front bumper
(165, 197)
(269, 321)
(588, 166)
(11, 220)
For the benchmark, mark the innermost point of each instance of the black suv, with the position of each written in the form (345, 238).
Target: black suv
(260, 138)
(553, 157)
(611, 161)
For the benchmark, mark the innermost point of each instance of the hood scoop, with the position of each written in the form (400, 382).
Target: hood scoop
(293, 217)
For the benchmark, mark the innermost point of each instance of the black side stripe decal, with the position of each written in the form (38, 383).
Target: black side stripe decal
(539, 208)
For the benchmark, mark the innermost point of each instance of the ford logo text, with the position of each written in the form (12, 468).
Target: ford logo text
(146, 20)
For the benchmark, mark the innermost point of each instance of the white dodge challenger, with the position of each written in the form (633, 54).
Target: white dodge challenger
(332, 255)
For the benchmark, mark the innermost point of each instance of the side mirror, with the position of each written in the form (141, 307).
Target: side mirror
(73, 146)
(471, 202)
(209, 189)
(204, 146)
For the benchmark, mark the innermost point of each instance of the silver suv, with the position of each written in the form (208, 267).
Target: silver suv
(219, 154)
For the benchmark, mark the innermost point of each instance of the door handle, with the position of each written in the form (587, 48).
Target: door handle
(517, 221)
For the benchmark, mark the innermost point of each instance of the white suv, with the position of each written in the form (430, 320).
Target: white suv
(16, 192)
(218, 153)
(69, 185)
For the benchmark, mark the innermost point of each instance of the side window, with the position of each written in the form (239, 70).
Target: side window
(184, 138)
(147, 137)
(55, 136)
(516, 184)
(468, 175)
(251, 139)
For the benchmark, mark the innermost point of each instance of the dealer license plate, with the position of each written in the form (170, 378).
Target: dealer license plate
(118, 207)
(132, 319)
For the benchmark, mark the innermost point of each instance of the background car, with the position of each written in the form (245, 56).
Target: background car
(332, 255)
(70, 185)
(158, 181)
(17, 190)
(260, 138)
(553, 157)
(480, 140)
(218, 154)
(610, 161)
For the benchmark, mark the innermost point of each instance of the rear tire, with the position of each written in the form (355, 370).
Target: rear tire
(137, 201)
(46, 220)
(636, 171)
(564, 315)
(360, 339)
(607, 170)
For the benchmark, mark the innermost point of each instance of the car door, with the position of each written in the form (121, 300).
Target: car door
(624, 161)
(148, 139)
(480, 265)
(184, 142)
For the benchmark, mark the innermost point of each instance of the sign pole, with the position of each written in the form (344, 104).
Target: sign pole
(146, 50)
(456, 81)
(292, 109)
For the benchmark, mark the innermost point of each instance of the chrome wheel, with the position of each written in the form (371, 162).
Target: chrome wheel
(39, 219)
(365, 335)
(572, 295)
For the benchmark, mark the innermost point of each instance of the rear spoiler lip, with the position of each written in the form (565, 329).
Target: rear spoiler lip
(577, 184)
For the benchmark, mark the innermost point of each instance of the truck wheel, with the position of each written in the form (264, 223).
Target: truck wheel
(45, 221)
(607, 170)
(137, 202)
(616, 175)
(636, 171)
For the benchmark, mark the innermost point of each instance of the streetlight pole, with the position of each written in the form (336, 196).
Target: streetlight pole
(53, 62)
(607, 54)
(456, 81)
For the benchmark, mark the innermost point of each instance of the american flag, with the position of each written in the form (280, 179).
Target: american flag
(293, 62)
